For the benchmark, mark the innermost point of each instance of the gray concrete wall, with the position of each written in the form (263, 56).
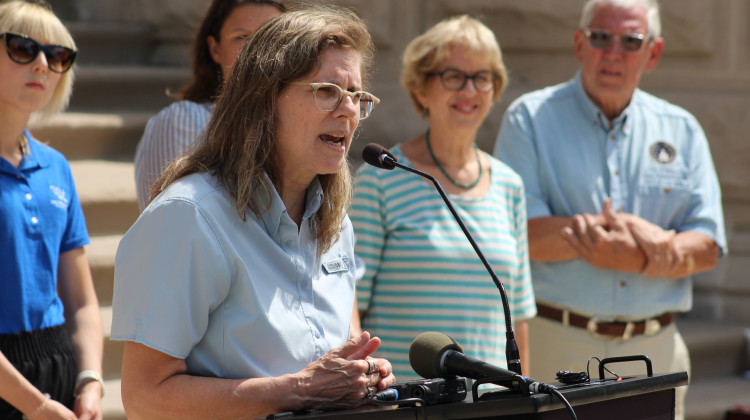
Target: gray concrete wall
(705, 69)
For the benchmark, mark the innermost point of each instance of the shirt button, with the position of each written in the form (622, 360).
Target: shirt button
(619, 209)
(612, 137)
(617, 173)
(666, 190)
(34, 220)
(28, 196)
(623, 283)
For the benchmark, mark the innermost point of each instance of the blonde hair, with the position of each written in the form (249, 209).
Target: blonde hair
(239, 145)
(37, 21)
(426, 52)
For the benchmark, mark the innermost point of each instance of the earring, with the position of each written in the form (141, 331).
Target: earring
(425, 113)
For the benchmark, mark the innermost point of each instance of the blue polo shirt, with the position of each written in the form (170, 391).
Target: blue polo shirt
(233, 298)
(40, 218)
(653, 161)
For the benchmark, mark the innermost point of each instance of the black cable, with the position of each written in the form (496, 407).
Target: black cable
(605, 368)
(571, 378)
(541, 387)
(559, 395)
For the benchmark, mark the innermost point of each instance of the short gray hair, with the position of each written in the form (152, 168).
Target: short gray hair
(652, 13)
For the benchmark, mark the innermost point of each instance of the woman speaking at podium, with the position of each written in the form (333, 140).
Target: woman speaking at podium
(234, 289)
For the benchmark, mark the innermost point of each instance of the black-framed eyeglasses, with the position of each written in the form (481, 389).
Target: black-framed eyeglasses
(455, 80)
(23, 50)
(601, 39)
(328, 96)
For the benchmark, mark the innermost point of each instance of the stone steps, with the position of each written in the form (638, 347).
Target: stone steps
(719, 360)
(108, 43)
(107, 193)
(125, 88)
(77, 135)
(112, 408)
(710, 399)
(716, 350)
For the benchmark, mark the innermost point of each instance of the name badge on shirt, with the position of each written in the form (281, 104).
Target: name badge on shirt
(336, 265)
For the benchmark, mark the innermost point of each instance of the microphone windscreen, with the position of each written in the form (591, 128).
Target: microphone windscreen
(426, 351)
(372, 153)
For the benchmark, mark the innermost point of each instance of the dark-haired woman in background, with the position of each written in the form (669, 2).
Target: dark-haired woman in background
(226, 27)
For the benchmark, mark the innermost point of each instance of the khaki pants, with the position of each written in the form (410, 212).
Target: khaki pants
(554, 347)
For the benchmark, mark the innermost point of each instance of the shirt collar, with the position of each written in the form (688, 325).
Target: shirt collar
(592, 111)
(271, 218)
(35, 159)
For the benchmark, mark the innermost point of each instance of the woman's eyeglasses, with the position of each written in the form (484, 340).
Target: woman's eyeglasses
(601, 39)
(328, 96)
(24, 50)
(455, 80)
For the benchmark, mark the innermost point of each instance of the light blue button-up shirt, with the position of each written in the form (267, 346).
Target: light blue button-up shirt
(234, 299)
(653, 161)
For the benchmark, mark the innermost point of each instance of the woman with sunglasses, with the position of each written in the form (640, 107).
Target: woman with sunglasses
(421, 272)
(224, 30)
(50, 329)
(234, 289)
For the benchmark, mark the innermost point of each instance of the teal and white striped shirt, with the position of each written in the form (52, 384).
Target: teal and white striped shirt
(422, 273)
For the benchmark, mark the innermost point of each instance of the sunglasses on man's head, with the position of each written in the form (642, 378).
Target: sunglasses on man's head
(601, 39)
(24, 50)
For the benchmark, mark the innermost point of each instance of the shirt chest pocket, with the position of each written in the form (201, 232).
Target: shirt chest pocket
(663, 195)
(664, 183)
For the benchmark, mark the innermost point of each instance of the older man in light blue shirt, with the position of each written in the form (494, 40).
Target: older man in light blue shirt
(623, 201)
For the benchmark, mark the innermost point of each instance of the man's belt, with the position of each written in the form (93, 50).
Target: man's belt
(606, 327)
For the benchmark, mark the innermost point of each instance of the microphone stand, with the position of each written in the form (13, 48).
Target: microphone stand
(511, 348)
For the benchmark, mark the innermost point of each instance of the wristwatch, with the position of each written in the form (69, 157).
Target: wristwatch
(85, 377)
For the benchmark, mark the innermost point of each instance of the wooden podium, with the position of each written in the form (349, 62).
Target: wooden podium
(638, 397)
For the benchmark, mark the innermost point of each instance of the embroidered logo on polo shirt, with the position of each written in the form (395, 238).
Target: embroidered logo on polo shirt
(336, 265)
(62, 197)
(662, 152)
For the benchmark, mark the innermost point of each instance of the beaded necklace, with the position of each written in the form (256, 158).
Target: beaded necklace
(453, 181)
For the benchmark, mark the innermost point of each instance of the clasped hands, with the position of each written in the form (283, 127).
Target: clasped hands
(346, 376)
(623, 242)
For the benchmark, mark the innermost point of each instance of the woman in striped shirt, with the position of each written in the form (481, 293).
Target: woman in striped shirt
(421, 272)
(169, 134)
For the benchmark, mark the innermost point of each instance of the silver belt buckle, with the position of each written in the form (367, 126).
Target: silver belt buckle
(652, 326)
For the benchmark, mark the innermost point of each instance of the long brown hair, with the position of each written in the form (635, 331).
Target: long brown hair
(239, 145)
(207, 77)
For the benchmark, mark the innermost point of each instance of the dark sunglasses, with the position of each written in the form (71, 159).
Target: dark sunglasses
(24, 50)
(601, 39)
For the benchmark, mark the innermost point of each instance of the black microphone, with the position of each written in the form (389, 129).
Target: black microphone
(380, 157)
(433, 354)
(436, 355)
